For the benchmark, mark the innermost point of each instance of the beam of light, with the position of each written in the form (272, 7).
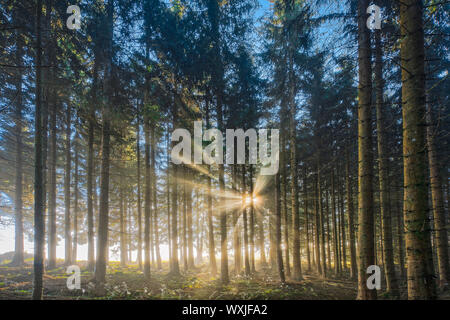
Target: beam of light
(227, 205)
(227, 194)
(261, 183)
(193, 166)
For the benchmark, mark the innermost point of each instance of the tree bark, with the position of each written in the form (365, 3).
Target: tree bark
(297, 267)
(67, 173)
(278, 228)
(212, 247)
(421, 284)
(18, 258)
(76, 197)
(154, 197)
(366, 253)
(147, 199)
(245, 221)
(90, 168)
(385, 209)
(103, 221)
(38, 264)
(139, 201)
(335, 226)
(437, 196)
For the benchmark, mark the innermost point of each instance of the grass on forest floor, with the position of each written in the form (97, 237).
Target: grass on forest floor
(129, 283)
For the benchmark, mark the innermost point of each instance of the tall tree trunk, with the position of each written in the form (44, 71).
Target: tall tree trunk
(284, 208)
(190, 237)
(185, 246)
(18, 259)
(51, 108)
(262, 249)
(305, 195)
(400, 237)
(366, 244)
(297, 267)
(244, 218)
(351, 220)
(76, 197)
(154, 198)
(236, 229)
(327, 206)
(438, 204)
(317, 226)
(218, 88)
(139, 203)
(385, 209)
(52, 233)
(212, 247)
(321, 223)
(421, 284)
(175, 266)
(122, 218)
(103, 221)
(90, 167)
(38, 264)
(252, 224)
(341, 195)
(68, 166)
(168, 182)
(278, 228)
(337, 263)
(147, 199)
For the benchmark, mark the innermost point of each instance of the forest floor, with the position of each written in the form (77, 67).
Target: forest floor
(128, 283)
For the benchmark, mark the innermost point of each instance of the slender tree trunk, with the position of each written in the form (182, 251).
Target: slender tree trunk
(278, 228)
(169, 228)
(262, 249)
(103, 221)
(366, 244)
(76, 196)
(190, 236)
(421, 284)
(400, 238)
(212, 247)
(305, 195)
(252, 224)
(67, 218)
(236, 229)
(297, 267)
(351, 221)
(38, 264)
(438, 205)
(139, 203)
(147, 199)
(322, 223)
(327, 206)
(385, 209)
(52, 236)
(90, 168)
(214, 11)
(122, 213)
(317, 227)
(155, 198)
(185, 249)
(284, 208)
(244, 217)
(175, 266)
(335, 226)
(18, 259)
(223, 214)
